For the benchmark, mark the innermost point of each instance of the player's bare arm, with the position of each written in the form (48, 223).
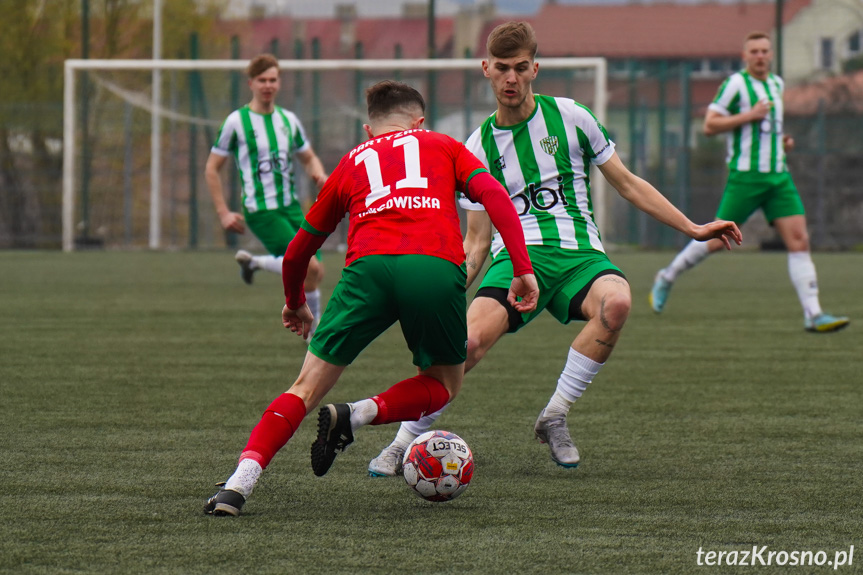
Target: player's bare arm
(717, 123)
(313, 166)
(231, 221)
(498, 205)
(296, 314)
(477, 242)
(646, 198)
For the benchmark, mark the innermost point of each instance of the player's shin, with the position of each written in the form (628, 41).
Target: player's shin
(269, 263)
(578, 372)
(410, 430)
(388, 463)
(411, 399)
(805, 280)
(690, 256)
(313, 298)
(420, 426)
(278, 424)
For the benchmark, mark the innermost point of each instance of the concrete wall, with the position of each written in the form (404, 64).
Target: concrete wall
(835, 19)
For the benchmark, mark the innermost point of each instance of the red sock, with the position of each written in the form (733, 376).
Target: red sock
(277, 425)
(410, 399)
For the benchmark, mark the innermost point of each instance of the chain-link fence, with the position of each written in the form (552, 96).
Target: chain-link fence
(654, 115)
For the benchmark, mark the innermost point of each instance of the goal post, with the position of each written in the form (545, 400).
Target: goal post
(142, 96)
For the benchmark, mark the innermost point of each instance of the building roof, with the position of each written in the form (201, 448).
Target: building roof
(380, 36)
(704, 30)
(840, 94)
(338, 38)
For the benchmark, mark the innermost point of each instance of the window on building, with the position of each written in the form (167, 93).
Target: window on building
(826, 56)
(618, 68)
(717, 65)
(854, 43)
(714, 67)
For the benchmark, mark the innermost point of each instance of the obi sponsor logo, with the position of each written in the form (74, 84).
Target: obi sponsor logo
(277, 161)
(542, 199)
(769, 126)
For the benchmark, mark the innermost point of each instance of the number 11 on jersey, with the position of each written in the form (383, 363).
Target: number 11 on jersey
(412, 179)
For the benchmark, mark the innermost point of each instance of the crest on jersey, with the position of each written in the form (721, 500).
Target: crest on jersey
(499, 163)
(549, 145)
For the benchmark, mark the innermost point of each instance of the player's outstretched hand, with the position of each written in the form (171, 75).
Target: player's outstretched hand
(527, 289)
(720, 229)
(299, 320)
(233, 222)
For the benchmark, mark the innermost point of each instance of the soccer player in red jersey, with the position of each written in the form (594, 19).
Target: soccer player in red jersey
(405, 263)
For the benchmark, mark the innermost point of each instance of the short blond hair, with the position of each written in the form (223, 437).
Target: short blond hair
(510, 39)
(756, 35)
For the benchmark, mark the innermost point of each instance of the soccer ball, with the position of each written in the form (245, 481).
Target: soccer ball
(438, 465)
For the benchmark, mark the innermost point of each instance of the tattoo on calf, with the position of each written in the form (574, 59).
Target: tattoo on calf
(604, 343)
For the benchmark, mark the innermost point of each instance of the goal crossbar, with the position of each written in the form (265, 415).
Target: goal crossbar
(74, 65)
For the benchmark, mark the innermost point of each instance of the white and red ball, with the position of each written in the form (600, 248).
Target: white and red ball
(438, 465)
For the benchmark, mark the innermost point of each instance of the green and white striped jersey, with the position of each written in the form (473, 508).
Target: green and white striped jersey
(755, 146)
(543, 162)
(263, 146)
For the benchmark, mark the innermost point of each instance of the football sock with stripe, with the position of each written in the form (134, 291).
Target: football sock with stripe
(277, 426)
(410, 399)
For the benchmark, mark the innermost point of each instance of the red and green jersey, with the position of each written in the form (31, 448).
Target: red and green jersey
(399, 191)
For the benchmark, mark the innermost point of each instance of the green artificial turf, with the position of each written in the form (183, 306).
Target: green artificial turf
(129, 383)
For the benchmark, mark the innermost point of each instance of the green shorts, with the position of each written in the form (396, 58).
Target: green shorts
(425, 294)
(275, 228)
(745, 192)
(564, 277)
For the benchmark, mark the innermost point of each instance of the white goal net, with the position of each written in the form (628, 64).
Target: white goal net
(134, 156)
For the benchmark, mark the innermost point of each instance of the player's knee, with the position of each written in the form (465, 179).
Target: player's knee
(449, 376)
(454, 388)
(615, 310)
(310, 394)
(798, 241)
